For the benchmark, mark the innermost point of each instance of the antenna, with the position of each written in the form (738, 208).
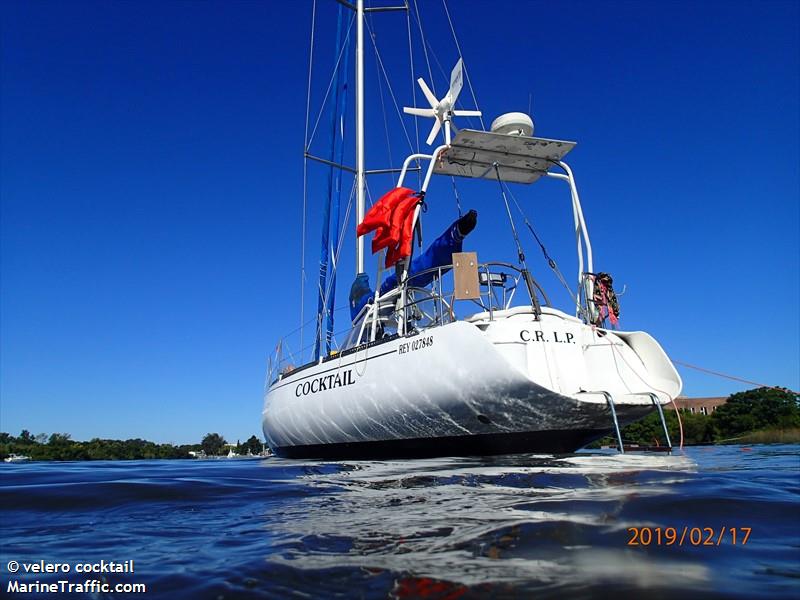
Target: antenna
(442, 110)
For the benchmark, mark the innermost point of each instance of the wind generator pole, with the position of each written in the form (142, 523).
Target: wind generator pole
(360, 187)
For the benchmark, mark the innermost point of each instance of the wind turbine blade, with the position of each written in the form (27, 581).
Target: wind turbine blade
(419, 112)
(456, 82)
(434, 132)
(467, 113)
(428, 93)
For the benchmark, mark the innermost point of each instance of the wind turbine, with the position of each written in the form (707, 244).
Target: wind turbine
(442, 110)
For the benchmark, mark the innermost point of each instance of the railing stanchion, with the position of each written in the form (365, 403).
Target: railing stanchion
(610, 402)
(654, 398)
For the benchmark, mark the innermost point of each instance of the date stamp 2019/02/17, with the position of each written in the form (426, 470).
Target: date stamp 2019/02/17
(688, 536)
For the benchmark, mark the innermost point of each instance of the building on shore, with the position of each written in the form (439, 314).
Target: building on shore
(703, 406)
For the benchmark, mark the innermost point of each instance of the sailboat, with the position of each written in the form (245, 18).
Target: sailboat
(466, 356)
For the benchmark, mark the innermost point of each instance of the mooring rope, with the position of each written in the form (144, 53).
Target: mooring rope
(732, 377)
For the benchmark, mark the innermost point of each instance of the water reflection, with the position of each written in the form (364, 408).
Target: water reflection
(543, 521)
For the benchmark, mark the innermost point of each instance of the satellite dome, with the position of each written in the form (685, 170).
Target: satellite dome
(513, 123)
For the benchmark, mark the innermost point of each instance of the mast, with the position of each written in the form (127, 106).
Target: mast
(360, 187)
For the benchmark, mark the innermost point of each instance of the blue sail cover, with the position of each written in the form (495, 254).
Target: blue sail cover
(327, 290)
(438, 254)
(342, 113)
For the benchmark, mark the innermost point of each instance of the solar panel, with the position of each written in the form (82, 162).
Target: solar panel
(520, 159)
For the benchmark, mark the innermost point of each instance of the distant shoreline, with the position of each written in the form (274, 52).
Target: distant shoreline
(764, 437)
(60, 447)
(757, 416)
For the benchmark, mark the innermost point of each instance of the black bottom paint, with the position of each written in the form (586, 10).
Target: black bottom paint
(549, 442)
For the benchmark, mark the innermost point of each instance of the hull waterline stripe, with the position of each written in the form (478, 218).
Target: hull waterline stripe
(551, 442)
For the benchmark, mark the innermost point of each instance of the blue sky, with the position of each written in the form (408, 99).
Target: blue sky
(151, 181)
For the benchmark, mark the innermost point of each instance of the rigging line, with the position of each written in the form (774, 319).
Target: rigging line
(461, 56)
(342, 112)
(345, 45)
(391, 91)
(734, 378)
(335, 258)
(552, 263)
(303, 246)
(285, 337)
(346, 219)
(292, 358)
(455, 193)
(424, 48)
(310, 66)
(520, 253)
(305, 176)
(336, 334)
(383, 103)
(284, 342)
(338, 250)
(529, 281)
(369, 194)
(413, 84)
(332, 179)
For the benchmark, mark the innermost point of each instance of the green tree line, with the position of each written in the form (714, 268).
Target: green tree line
(61, 446)
(214, 444)
(762, 414)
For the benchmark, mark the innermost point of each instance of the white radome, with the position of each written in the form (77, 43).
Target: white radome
(513, 123)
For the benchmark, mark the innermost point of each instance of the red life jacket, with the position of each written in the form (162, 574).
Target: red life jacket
(392, 219)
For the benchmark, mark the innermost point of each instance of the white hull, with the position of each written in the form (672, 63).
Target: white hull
(488, 385)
